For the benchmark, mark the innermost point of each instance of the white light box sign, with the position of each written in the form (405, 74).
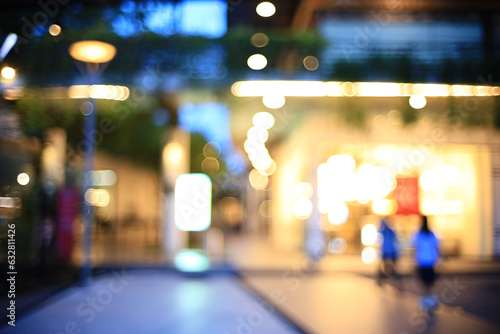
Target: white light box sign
(193, 202)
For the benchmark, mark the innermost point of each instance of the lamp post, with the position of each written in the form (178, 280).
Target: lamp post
(93, 54)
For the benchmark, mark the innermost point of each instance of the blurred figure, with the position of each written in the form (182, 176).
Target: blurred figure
(426, 255)
(390, 252)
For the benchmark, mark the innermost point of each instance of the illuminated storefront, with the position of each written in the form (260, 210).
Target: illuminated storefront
(352, 173)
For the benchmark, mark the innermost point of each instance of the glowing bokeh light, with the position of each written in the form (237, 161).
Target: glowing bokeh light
(369, 235)
(337, 246)
(257, 62)
(265, 9)
(257, 179)
(273, 101)
(384, 207)
(23, 179)
(302, 190)
(259, 40)
(338, 212)
(263, 120)
(8, 73)
(369, 255)
(54, 30)
(210, 165)
(102, 178)
(341, 164)
(429, 180)
(191, 261)
(311, 63)
(173, 153)
(193, 202)
(92, 51)
(302, 208)
(417, 101)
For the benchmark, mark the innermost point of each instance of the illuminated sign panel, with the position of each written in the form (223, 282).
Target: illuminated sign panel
(193, 202)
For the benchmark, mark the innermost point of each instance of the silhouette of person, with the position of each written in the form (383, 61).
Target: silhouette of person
(426, 255)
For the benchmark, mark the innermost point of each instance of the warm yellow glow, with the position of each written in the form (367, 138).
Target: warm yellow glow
(263, 120)
(302, 208)
(259, 135)
(417, 101)
(23, 179)
(451, 175)
(434, 90)
(103, 178)
(7, 202)
(13, 94)
(442, 207)
(259, 40)
(271, 169)
(369, 255)
(341, 164)
(262, 161)
(92, 51)
(369, 235)
(106, 92)
(338, 212)
(54, 30)
(257, 179)
(8, 73)
(384, 207)
(362, 89)
(302, 190)
(273, 101)
(173, 153)
(276, 87)
(211, 149)
(378, 89)
(98, 197)
(372, 183)
(265, 9)
(210, 165)
(311, 63)
(429, 180)
(257, 62)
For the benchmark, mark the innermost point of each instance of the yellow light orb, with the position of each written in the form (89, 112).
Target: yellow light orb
(8, 73)
(92, 51)
(54, 30)
(23, 179)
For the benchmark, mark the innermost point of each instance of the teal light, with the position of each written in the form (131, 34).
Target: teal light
(191, 261)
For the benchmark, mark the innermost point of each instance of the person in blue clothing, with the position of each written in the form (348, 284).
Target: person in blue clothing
(426, 256)
(389, 251)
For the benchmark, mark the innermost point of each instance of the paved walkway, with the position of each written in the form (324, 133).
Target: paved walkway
(279, 293)
(349, 303)
(154, 301)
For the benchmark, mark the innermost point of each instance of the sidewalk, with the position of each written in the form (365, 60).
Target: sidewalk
(277, 293)
(154, 301)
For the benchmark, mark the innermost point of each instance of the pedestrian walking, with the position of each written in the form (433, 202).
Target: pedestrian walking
(389, 251)
(426, 256)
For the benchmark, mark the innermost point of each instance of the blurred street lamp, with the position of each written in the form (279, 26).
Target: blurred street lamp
(93, 54)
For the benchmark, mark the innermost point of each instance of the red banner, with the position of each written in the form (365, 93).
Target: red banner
(406, 195)
(67, 210)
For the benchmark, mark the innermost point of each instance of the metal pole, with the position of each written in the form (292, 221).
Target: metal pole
(87, 208)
